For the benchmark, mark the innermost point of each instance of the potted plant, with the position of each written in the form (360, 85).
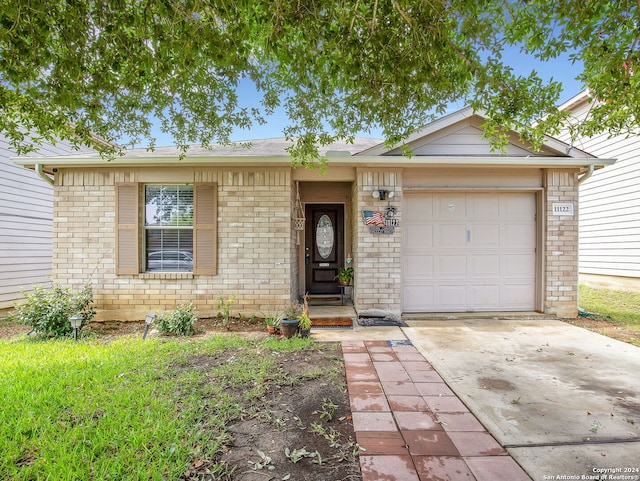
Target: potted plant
(344, 276)
(304, 325)
(289, 323)
(272, 321)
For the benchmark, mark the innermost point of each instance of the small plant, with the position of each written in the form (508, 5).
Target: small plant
(265, 462)
(47, 312)
(272, 318)
(304, 322)
(293, 310)
(344, 276)
(328, 409)
(224, 306)
(297, 454)
(179, 321)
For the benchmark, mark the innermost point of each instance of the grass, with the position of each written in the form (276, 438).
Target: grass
(611, 313)
(623, 308)
(127, 409)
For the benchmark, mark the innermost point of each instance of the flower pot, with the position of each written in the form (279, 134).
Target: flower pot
(344, 282)
(272, 330)
(304, 333)
(289, 327)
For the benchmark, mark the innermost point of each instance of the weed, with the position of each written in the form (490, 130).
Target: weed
(595, 426)
(516, 401)
(264, 462)
(224, 306)
(328, 409)
(298, 454)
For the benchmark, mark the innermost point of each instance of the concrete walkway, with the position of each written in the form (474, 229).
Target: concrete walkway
(563, 402)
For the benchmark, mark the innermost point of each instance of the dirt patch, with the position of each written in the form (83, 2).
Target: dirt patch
(607, 328)
(299, 431)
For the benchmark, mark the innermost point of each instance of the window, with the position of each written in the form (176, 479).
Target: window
(166, 228)
(168, 225)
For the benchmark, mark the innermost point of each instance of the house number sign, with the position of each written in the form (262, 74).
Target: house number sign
(559, 208)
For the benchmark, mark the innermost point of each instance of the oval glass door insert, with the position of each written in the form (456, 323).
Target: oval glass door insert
(324, 236)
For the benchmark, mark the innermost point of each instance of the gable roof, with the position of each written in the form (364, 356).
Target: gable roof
(460, 134)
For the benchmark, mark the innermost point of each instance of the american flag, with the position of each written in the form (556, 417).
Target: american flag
(373, 218)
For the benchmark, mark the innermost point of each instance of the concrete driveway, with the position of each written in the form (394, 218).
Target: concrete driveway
(564, 401)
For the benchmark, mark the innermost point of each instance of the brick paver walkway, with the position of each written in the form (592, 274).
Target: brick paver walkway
(412, 426)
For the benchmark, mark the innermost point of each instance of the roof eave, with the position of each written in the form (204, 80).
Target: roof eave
(50, 163)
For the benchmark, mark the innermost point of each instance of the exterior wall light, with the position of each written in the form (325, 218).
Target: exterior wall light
(76, 323)
(382, 194)
(148, 320)
(390, 213)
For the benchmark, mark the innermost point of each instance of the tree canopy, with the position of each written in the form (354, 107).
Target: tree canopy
(86, 70)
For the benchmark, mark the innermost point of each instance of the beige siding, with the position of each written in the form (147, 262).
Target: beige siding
(26, 215)
(609, 205)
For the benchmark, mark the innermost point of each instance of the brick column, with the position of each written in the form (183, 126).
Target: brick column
(561, 245)
(377, 257)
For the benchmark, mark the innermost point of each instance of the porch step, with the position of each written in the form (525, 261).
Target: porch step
(331, 321)
(332, 315)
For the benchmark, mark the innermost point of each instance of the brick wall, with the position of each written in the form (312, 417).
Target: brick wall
(377, 257)
(561, 245)
(254, 242)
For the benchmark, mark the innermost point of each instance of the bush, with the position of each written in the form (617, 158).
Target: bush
(47, 312)
(179, 321)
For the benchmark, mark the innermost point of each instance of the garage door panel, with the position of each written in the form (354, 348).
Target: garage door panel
(518, 265)
(451, 206)
(451, 266)
(484, 235)
(451, 235)
(452, 297)
(419, 236)
(418, 267)
(483, 206)
(420, 208)
(491, 268)
(484, 266)
(419, 297)
(520, 235)
(518, 296)
(517, 207)
(485, 297)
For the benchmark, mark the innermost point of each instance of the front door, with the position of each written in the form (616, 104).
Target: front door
(324, 247)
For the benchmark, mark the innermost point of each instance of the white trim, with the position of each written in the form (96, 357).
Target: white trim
(359, 161)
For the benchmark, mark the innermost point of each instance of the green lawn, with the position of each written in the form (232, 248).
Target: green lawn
(127, 409)
(622, 307)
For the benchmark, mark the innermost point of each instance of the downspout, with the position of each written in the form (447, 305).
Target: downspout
(587, 174)
(42, 175)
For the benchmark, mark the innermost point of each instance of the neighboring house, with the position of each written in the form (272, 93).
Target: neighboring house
(466, 229)
(609, 207)
(26, 225)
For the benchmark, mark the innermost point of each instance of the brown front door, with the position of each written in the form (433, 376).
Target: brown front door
(324, 247)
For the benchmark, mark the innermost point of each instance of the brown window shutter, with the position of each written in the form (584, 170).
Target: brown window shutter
(127, 219)
(205, 236)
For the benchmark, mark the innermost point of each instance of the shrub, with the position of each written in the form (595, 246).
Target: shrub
(179, 321)
(47, 312)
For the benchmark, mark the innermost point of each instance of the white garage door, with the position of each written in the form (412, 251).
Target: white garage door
(469, 252)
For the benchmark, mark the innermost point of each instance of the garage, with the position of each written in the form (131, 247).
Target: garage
(469, 251)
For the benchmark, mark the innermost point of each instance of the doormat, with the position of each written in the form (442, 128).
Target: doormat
(380, 322)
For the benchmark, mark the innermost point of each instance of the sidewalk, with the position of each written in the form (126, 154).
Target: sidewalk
(411, 425)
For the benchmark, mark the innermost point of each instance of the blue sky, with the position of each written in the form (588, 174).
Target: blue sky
(560, 69)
